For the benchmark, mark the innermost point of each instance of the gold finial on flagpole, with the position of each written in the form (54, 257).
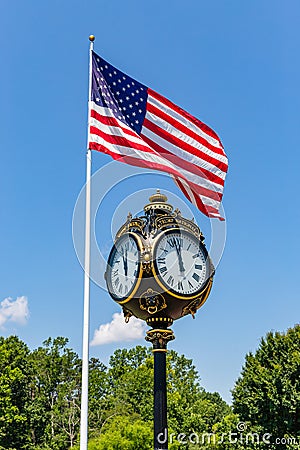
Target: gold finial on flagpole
(92, 38)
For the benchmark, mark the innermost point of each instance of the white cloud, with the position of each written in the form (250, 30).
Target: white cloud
(14, 310)
(119, 331)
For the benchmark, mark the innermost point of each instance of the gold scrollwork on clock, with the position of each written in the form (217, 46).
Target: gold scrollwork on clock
(162, 336)
(176, 221)
(195, 304)
(191, 308)
(132, 224)
(146, 267)
(127, 314)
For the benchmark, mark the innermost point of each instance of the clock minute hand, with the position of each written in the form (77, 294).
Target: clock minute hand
(123, 254)
(125, 263)
(180, 261)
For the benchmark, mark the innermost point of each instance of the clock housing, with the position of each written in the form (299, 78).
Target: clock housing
(169, 273)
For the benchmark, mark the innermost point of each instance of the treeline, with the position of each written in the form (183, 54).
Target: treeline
(40, 399)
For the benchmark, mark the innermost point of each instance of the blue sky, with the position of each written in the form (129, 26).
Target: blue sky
(235, 66)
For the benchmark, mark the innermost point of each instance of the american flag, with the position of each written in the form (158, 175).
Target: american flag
(138, 126)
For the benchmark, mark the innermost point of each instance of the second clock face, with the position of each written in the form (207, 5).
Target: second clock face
(123, 267)
(181, 263)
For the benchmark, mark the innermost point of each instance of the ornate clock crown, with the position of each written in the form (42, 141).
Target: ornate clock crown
(158, 202)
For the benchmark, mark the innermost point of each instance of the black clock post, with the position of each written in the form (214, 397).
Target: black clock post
(159, 337)
(159, 271)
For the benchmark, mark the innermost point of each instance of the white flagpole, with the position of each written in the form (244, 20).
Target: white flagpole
(87, 256)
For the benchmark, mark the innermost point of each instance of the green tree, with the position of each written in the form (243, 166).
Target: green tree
(268, 392)
(123, 361)
(99, 398)
(183, 386)
(231, 433)
(55, 394)
(123, 433)
(14, 381)
(130, 393)
(126, 433)
(131, 383)
(131, 380)
(204, 412)
(40, 398)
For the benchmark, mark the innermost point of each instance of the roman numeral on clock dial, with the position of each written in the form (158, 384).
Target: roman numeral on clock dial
(170, 280)
(180, 286)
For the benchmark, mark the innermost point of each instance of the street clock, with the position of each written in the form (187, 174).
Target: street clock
(159, 269)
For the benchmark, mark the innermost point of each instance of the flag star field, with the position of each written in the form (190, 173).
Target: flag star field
(126, 97)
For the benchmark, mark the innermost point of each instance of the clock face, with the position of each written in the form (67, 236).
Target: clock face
(181, 263)
(123, 267)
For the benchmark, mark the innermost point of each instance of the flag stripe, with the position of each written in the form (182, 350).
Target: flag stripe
(130, 157)
(172, 144)
(111, 133)
(164, 120)
(118, 135)
(205, 131)
(196, 200)
(130, 148)
(108, 144)
(103, 118)
(169, 155)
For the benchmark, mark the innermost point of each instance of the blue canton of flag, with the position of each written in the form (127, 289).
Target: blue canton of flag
(124, 96)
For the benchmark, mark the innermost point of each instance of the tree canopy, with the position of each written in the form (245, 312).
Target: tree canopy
(267, 394)
(14, 375)
(40, 394)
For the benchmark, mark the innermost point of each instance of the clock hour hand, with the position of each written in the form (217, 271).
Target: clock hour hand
(124, 257)
(180, 261)
(125, 263)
